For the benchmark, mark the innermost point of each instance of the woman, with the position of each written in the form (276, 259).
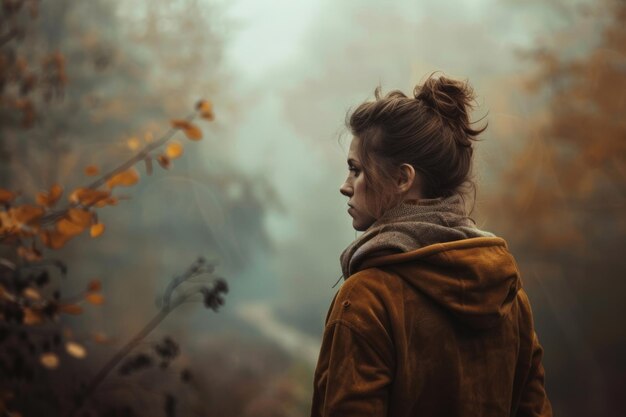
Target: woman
(432, 319)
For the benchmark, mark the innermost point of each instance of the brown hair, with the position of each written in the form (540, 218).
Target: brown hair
(430, 131)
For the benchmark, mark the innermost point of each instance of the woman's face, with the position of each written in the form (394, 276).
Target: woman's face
(354, 188)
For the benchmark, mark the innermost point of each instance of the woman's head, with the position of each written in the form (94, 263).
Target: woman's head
(409, 147)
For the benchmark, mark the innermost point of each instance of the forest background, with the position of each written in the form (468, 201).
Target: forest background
(86, 86)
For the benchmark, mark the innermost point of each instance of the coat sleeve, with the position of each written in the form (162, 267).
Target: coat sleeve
(352, 377)
(534, 401)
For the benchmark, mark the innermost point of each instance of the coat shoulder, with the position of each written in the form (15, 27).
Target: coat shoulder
(363, 299)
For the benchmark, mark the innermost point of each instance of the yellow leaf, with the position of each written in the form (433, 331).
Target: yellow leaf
(50, 198)
(95, 298)
(92, 170)
(88, 196)
(73, 309)
(75, 350)
(125, 178)
(94, 285)
(96, 230)
(174, 150)
(49, 360)
(133, 144)
(6, 196)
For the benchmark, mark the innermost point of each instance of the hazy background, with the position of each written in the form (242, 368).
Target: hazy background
(260, 194)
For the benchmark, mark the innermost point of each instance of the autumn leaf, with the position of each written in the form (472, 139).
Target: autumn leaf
(75, 350)
(94, 285)
(192, 131)
(110, 201)
(164, 161)
(6, 196)
(73, 309)
(92, 170)
(50, 198)
(49, 360)
(95, 298)
(205, 107)
(31, 293)
(88, 196)
(32, 316)
(133, 144)
(74, 222)
(54, 239)
(27, 214)
(174, 150)
(96, 230)
(125, 178)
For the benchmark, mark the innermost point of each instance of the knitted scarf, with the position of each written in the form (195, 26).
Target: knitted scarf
(407, 227)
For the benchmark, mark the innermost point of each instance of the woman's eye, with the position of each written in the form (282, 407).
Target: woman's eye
(353, 169)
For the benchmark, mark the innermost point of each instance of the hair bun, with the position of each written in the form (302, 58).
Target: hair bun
(452, 100)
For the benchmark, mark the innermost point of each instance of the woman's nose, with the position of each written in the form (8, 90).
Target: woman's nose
(345, 189)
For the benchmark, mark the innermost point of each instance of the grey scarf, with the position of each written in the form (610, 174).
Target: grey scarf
(407, 227)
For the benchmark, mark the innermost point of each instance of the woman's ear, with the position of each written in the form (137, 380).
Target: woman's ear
(407, 178)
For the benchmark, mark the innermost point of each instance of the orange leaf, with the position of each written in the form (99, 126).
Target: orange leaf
(181, 124)
(92, 170)
(54, 239)
(94, 285)
(111, 201)
(74, 309)
(125, 178)
(95, 298)
(31, 293)
(174, 150)
(192, 131)
(6, 196)
(96, 230)
(88, 196)
(75, 221)
(50, 198)
(164, 161)
(32, 317)
(26, 214)
(205, 107)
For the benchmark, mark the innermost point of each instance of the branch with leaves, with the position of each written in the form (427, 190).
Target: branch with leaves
(181, 289)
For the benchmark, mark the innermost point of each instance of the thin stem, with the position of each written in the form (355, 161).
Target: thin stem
(52, 217)
(117, 358)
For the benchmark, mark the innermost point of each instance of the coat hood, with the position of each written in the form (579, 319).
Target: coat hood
(475, 279)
